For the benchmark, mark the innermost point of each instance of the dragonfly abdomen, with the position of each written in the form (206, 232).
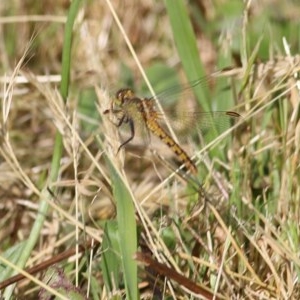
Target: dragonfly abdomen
(157, 130)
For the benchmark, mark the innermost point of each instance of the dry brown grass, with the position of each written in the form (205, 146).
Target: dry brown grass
(242, 243)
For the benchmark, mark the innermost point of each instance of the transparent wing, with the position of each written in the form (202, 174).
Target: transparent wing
(179, 107)
(187, 123)
(186, 90)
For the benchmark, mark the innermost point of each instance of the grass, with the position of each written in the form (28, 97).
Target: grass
(129, 226)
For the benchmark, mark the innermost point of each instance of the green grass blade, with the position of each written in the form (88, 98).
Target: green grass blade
(12, 254)
(186, 46)
(110, 262)
(127, 233)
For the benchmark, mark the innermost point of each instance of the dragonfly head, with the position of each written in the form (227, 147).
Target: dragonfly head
(124, 94)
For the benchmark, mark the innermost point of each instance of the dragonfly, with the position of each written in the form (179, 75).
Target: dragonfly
(136, 112)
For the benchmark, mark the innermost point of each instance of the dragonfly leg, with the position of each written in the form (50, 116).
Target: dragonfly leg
(131, 126)
(122, 120)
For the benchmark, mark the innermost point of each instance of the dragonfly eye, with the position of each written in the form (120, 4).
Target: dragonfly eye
(124, 94)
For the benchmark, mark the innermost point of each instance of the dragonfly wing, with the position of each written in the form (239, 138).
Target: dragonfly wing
(188, 123)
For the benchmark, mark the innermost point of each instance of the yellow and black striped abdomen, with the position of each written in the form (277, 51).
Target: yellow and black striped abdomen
(182, 156)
